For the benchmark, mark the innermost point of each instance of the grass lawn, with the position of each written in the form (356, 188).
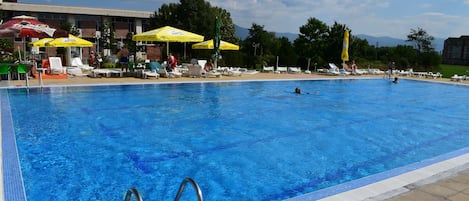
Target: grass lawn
(450, 70)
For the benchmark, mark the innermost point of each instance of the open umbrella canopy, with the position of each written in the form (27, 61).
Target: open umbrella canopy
(209, 45)
(70, 41)
(29, 27)
(40, 42)
(168, 34)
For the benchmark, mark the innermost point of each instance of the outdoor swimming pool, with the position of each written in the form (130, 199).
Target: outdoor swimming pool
(238, 140)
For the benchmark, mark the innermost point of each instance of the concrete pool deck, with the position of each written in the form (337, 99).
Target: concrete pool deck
(445, 180)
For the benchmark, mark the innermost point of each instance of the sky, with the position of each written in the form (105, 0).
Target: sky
(393, 18)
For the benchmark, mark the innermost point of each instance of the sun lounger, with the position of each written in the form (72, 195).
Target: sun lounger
(294, 70)
(75, 71)
(434, 75)
(268, 69)
(173, 74)
(195, 71)
(230, 71)
(76, 62)
(458, 78)
(56, 66)
(212, 74)
(153, 71)
(106, 72)
(281, 69)
(334, 70)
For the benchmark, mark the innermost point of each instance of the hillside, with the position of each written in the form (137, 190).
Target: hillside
(383, 41)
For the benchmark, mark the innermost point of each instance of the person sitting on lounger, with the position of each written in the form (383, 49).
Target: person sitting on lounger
(209, 66)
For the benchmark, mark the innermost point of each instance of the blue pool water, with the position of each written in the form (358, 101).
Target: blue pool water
(238, 140)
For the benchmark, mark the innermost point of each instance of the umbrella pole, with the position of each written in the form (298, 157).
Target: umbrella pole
(184, 50)
(167, 48)
(24, 49)
(19, 53)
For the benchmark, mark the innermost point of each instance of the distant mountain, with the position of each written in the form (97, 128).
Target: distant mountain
(241, 32)
(383, 41)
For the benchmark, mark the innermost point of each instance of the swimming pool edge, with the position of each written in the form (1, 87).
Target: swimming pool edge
(12, 179)
(394, 182)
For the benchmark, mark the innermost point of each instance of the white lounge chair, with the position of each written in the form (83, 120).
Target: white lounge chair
(153, 71)
(202, 63)
(230, 71)
(212, 74)
(375, 71)
(75, 71)
(76, 62)
(106, 72)
(334, 70)
(173, 74)
(268, 69)
(281, 69)
(434, 75)
(195, 71)
(458, 78)
(56, 66)
(294, 70)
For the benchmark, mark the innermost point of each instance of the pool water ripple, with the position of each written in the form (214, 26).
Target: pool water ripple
(238, 140)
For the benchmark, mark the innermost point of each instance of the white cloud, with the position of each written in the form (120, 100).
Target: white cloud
(373, 17)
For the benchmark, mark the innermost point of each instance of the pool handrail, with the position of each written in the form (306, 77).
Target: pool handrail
(135, 192)
(194, 184)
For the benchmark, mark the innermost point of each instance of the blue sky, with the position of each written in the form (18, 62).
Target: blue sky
(394, 18)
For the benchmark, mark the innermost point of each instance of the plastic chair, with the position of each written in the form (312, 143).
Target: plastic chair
(5, 70)
(45, 64)
(22, 69)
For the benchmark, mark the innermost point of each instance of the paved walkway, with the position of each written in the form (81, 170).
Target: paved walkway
(452, 186)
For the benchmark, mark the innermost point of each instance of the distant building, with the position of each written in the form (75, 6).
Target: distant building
(87, 20)
(456, 51)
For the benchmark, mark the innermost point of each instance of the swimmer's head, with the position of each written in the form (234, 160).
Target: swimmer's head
(297, 90)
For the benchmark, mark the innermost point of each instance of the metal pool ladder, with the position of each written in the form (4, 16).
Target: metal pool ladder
(138, 197)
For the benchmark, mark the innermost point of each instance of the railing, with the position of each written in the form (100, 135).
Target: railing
(194, 184)
(133, 191)
(138, 197)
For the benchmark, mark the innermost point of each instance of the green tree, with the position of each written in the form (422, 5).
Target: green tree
(335, 40)
(311, 41)
(285, 49)
(107, 40)
(196, 16)
(422, 40)
(360, 50)
(68, 27)
(258, 47)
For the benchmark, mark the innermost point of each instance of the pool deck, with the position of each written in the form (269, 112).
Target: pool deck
(445, 180)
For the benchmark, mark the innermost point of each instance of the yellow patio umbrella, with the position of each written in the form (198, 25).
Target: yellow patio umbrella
(70, 41)
(209, 45)
(40, 42)
(168, 34)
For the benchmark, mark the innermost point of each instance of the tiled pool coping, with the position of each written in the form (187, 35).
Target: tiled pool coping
(387, 184)
(13, 188)
(376, 186)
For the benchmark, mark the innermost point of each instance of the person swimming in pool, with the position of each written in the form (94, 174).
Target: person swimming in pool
(298, 91)
(396, 80)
